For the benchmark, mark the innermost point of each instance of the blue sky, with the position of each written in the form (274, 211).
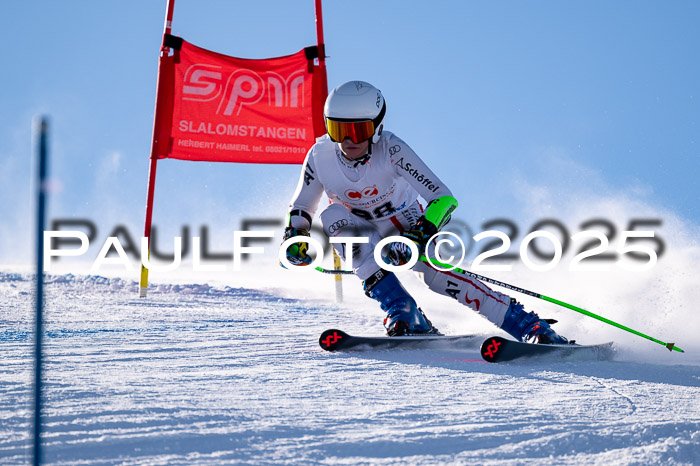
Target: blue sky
(503, 99)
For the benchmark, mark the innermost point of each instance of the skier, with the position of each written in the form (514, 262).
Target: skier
(373, 180)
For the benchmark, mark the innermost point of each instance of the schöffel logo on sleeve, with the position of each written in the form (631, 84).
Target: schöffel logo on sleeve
(427, 182)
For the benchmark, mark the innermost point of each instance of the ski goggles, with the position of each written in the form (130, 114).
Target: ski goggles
(357, 131)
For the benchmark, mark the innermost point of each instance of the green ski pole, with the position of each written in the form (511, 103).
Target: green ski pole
(670, 346)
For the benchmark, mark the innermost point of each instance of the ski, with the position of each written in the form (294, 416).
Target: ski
(498, 349)
(337, 340)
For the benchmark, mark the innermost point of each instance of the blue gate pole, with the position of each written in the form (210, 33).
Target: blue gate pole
(40, 225)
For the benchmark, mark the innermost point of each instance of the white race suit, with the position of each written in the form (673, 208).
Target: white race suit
(377, 199)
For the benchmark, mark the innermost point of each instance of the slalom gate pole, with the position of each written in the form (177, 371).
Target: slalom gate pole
(321, 44)
(318, 7)
(39, 326)
(669, 346)
(338, 278)
(164, 51)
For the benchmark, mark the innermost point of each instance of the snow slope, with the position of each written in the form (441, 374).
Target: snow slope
(203, 373)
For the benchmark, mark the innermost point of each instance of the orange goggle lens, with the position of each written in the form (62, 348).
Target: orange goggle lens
(357, 131)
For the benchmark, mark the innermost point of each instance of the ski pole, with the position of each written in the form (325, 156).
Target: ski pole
(334, 271)
(670, 346)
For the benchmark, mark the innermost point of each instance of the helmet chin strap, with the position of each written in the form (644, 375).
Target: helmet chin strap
(355, 162)
(362, 160)
(365, 158)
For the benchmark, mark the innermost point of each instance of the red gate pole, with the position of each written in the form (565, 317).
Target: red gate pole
(324, 80)
(156, 141)
(321, 46)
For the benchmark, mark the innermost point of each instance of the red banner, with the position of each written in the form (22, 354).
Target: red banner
(226, 109)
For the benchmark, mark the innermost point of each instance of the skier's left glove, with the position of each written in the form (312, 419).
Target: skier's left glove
(297, 252)
(420, 233)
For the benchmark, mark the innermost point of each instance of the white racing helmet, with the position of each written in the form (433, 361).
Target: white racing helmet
(355, 110)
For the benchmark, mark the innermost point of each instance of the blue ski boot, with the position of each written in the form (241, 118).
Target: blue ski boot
(402, 315)
(527, 326)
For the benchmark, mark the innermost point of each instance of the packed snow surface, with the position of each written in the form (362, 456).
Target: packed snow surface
(207, 374)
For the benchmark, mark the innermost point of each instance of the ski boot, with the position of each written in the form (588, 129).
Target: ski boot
(528, 327)
(403, 317)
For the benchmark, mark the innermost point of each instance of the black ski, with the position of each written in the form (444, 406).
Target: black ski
(337, 340)
(498, 349)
